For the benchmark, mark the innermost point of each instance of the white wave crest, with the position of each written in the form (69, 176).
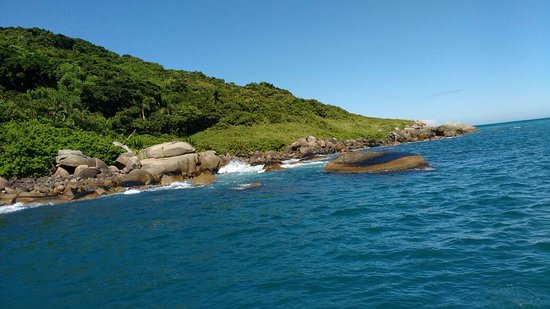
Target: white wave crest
(20, 206)
(293, 163)
(240, 167)
(132, 191)
(174, 185)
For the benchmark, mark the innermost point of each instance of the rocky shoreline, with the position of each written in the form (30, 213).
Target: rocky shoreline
(80, 177)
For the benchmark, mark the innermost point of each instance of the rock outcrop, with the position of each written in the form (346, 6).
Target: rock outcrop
(166, 150)
(71, 159)
(128, 162)
(208, 160)
(139, 177)
(185, 165)
(376, 162)
(3, 183)
(85, 171)
(420, 131)
(68, 162)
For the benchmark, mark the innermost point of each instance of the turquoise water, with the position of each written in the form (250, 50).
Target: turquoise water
(474, 232)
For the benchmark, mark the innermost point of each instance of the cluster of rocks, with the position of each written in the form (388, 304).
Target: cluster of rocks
(307, 148)
(79, 176)
(310, 147)
(420, 131)
(174, 161)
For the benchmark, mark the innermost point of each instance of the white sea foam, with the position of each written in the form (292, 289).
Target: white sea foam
(20, 206)
(132, 191)
(172, 186)
(241, 167)
(295, 164)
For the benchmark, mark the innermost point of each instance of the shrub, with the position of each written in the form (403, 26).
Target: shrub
(29, 148)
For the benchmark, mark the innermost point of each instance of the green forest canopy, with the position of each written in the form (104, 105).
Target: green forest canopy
(52, 81)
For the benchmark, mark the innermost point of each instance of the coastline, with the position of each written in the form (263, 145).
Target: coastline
(63, 187)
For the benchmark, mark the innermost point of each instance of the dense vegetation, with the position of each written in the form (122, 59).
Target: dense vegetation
(53, 85)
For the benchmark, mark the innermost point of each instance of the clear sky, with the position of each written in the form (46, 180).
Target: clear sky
(470, 61)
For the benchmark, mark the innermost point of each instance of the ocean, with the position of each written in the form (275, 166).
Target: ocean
(474, 232)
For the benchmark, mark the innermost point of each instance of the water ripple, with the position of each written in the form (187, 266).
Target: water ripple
(472, 233)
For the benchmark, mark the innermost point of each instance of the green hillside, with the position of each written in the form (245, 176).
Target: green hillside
(54, 83)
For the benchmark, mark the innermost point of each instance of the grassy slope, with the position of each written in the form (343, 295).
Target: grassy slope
(263, 137)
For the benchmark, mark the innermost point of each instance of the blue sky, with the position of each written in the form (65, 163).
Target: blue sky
(470, 61)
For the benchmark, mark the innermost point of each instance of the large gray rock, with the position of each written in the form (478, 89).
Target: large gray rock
(100, 164)
(3, 183)
(185, 164)
(376, 162)
(208, 160)
(166, 150)
(139, 177)
(128, 162)
(73, 158)
(61, 172)
(85, 171)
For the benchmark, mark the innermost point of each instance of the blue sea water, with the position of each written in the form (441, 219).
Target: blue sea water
(472, 233)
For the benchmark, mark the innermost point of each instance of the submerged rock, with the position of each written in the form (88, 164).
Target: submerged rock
(376, 162)
(273, 166)
(249, 186)
(168, 179)
(203, 179)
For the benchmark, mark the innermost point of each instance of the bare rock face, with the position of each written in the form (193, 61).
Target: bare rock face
(61, 172)
(185, 165)
(168, 179)
(3, 183)
(203, 179)
(165, 150)
(376, 162)
(100, 164)
(273, 167)
(208, 160)
(450, 129)
(70, 159)
(128, 162)
(7, 199)
(85, 171)
(139, 177)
